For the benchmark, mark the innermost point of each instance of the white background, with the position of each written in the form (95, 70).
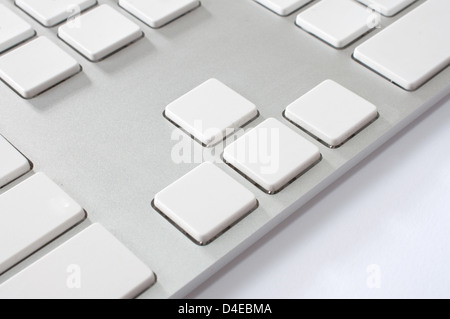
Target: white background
(392, 210)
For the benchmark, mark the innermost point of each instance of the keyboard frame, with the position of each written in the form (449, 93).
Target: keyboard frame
(102, 137)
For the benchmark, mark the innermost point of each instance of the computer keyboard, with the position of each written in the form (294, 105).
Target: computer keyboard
(153, 141)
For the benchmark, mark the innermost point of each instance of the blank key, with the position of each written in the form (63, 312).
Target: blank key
(331, 113)
(32, 214)
(157, 13)
(337, 22)
(272, 155)
(50, 12)
(91, 265)
(13, 29)
(412, 50)
(12, 163)
(205, 202)
(36, 67)
(99, 33)
(211, 112)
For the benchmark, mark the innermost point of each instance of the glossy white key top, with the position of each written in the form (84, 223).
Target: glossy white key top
(12, 163)
(91, 265)
(100, 32)
(13, 29)
(388, 8)
(272, 155)
(32, 214)
(205, 202)
(337, 22)
(211, 111)
(157, 13)
(283, 7)
(331, 113)
(50, 12)
(36, 67)
(413, 49)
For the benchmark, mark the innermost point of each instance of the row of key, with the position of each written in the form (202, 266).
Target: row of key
(337, 22)
(48, 64)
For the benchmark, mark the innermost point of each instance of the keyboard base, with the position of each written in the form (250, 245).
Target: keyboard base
(102, 137)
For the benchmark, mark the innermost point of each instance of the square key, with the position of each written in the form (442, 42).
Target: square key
(99, 33)
(50, 13)
(331, 113)
(272, 155)
(36, 67)
(12, 163)
(205, 202)
(13, 29)
(283, 7)
(157, 13)
(337, 22)
(211, 112)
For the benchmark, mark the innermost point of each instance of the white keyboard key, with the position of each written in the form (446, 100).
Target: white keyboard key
(36, 67)
(32, 214)
(157, 13)
(12, 163)
(13, 29)
(205, 202)
(272, 155)
(412, 50)
(388, 8)
(100, 33)
(91, 265)
(283, 7)
(50, 12)
(331, 113)
(211, 112)
(337, 22)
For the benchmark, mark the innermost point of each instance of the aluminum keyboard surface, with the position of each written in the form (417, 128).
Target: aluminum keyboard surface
(102, 136)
